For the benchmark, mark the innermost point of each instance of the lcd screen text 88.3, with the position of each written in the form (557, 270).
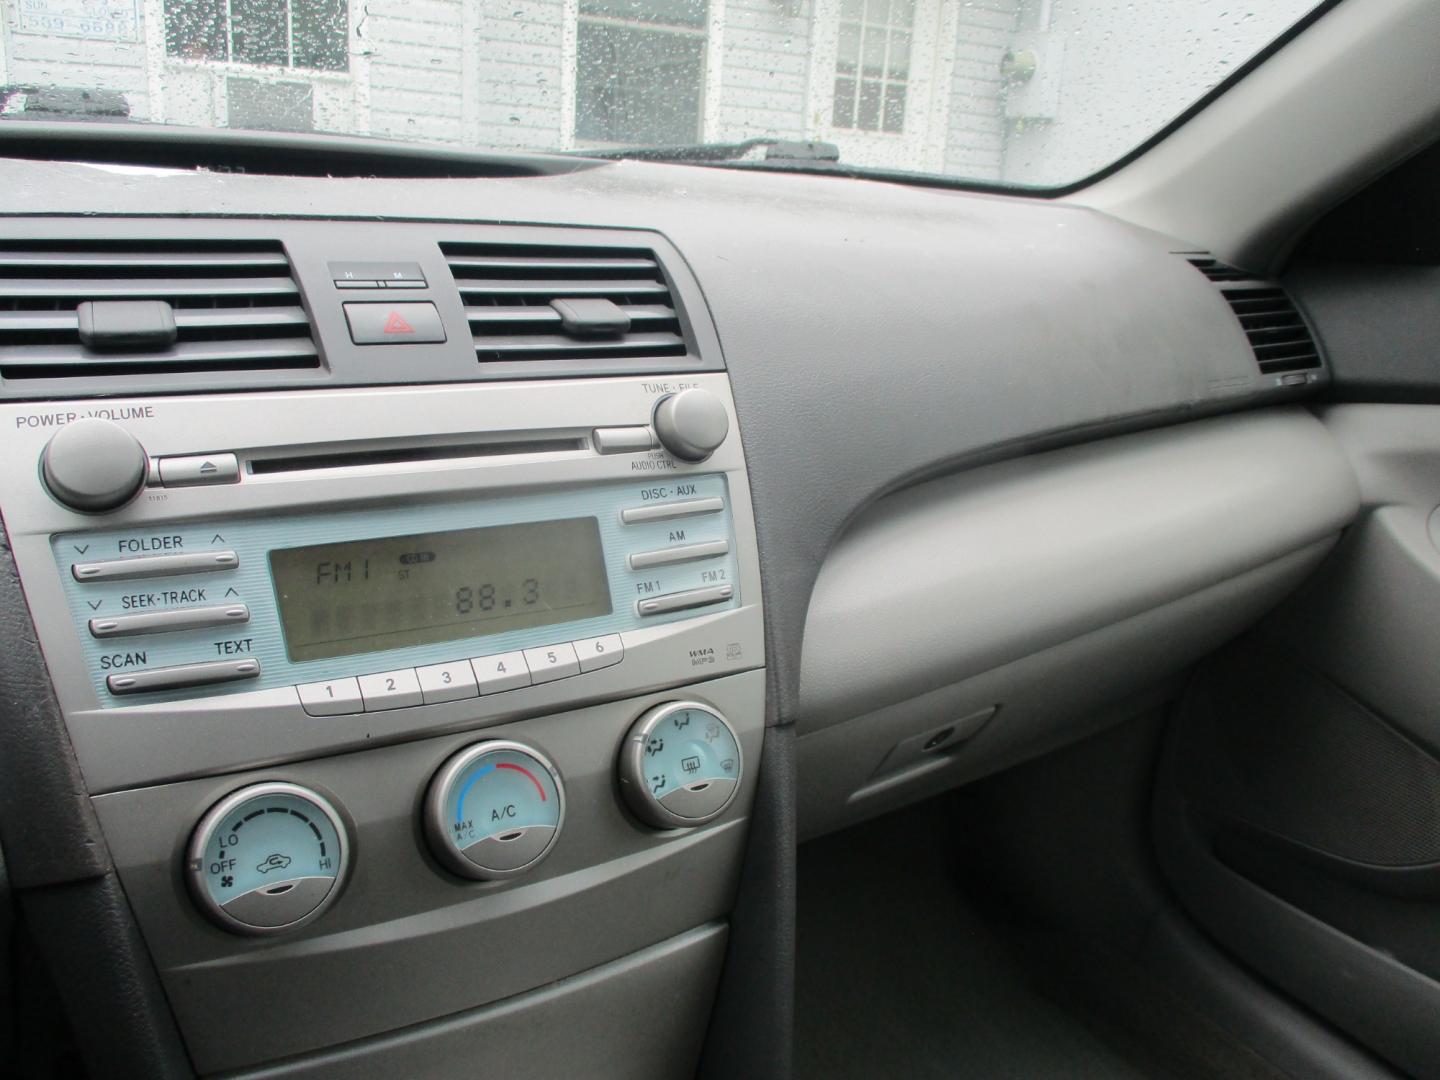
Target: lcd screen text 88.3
(394, 592)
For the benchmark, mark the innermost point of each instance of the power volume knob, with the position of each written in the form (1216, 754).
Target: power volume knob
(691, 424)
(94, 465)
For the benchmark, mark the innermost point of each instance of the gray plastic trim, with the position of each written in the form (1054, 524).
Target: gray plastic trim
(960, 576)
(642, 1016)
(1346, 99)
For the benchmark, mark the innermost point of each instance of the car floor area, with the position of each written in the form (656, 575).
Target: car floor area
(911, 964)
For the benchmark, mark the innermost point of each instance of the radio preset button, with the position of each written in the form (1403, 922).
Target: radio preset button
(551, 662)
(166, 622)
(391, 690)
(174, 678)
(682, 601)
(645, 560)
(199, 469)
(501, 672)
(640, 515)
(599, 652)
(148, 566)
(338, 697)
(447, 682)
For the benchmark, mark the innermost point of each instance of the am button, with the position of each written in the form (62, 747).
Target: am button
(394, 324)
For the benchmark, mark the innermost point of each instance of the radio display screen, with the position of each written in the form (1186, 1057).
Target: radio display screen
(364, 596)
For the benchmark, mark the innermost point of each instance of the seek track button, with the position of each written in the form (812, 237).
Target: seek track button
(394, 324)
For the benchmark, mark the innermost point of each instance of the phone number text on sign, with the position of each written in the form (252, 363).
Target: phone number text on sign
(101, 20)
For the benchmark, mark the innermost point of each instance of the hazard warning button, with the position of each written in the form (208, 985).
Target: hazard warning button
(394, 324)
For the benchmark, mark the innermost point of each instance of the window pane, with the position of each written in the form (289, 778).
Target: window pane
(877, 12)
(258, 32)
(874, 49)
(665, 12)
(844, 103)
(637, 86)
(894, 119)
(848, 50)
(320, 34)
(195, 29)
(902, 13)
(852, 10)
(899, 65)
(269, 106)
(869, 111)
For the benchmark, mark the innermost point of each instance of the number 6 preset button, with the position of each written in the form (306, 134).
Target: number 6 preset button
(391, 690)
(447, 682)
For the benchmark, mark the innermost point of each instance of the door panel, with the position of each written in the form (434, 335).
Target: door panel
(1299, 808)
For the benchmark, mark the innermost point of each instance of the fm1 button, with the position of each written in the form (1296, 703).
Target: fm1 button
(394, 324)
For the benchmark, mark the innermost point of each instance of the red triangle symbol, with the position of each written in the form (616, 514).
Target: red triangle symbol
(396, 324)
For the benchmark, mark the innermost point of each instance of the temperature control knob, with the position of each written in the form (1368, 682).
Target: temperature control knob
(494, 809)
(680, 765)
(94, 464)
(268, 858)
(691, 424)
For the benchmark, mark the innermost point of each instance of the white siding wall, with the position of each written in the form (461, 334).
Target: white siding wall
(416, 58)
(517, 50)
(975, 142)
(764, 69)
(1125, 67)
(32, 59)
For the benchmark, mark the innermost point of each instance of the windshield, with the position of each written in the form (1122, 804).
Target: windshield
(1027, 93)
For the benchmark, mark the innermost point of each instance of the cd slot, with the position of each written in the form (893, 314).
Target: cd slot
(407, 454)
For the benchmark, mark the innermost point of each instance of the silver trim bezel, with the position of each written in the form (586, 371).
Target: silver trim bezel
(434, 813)
(194, 867)
(632, 768)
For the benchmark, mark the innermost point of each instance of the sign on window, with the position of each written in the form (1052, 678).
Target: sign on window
(97, 20)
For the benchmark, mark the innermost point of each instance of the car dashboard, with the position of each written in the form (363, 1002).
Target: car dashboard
(528, 559)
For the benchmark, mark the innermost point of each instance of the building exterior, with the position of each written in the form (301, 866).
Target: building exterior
(1021, 91)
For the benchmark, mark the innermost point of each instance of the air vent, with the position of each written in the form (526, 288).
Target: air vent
(234, 305)
(514, 299)
(1277, 331)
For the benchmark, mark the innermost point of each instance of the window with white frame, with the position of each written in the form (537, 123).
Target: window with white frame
(872, 64)
(640, 71)
(278, 33)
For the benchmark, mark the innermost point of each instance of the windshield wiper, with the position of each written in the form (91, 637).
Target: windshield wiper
(756, 151)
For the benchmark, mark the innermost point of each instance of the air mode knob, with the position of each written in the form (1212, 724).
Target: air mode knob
(691, 424)
(93, 464)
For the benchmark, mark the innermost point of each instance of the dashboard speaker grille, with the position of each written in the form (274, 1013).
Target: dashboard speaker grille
(235, 306)
(510, 295)
(1277, 331)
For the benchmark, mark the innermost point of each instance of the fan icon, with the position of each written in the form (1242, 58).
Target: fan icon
(227, 882)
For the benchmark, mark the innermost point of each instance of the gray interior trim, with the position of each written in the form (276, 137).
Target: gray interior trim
(959, 576)
(642, 1016)
(1342, 102)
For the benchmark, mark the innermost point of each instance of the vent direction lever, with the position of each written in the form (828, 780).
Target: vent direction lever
(126, 324)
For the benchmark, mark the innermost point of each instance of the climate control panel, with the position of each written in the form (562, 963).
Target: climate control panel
(273, 856)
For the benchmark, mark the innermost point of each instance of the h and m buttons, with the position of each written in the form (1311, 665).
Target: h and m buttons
(457, 680)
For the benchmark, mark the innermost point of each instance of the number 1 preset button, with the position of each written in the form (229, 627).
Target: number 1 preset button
(502, 671)
(391, 690)
(447, 682)
(337, 697)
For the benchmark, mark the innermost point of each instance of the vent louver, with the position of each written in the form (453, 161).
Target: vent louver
(508, 290)
(235, 306)
(1278, 334)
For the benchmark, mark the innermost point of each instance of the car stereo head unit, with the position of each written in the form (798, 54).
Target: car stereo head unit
(318, 570)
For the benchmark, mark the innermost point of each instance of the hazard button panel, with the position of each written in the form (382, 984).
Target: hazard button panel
(394, 324)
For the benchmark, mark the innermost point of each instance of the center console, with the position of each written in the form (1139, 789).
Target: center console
(421, 721)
